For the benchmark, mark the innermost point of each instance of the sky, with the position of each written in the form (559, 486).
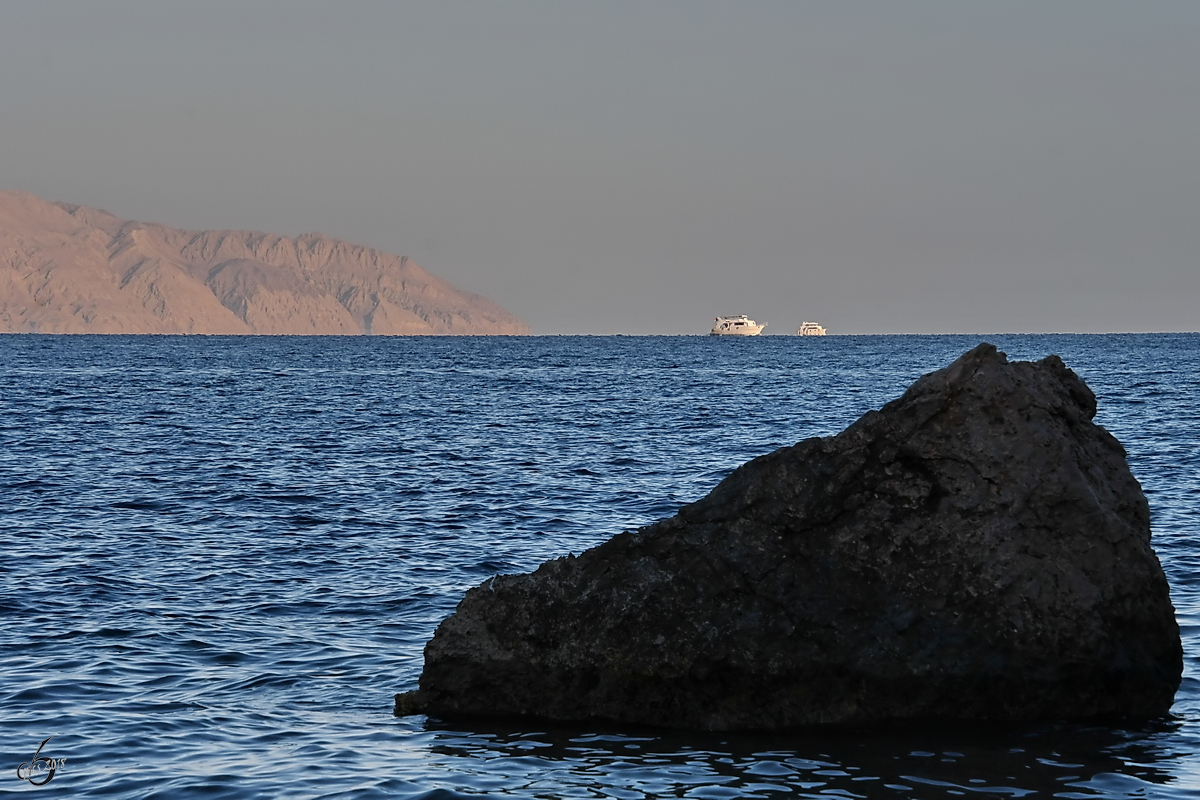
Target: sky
(643, 166)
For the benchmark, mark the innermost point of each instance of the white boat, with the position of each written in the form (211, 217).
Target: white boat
(810, 329)
(741, 325)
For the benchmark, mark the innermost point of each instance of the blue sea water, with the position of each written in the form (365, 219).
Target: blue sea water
(222, 556)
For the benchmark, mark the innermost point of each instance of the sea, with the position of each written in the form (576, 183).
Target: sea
(222, 557)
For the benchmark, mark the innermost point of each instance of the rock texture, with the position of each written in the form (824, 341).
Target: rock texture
(73, 269)
(978, 549)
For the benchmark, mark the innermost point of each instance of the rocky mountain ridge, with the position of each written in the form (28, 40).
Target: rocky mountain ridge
(73, 269)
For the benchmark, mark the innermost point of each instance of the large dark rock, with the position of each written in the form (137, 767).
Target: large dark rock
(977, 549)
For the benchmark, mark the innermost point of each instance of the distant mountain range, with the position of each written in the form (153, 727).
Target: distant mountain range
(74, 269)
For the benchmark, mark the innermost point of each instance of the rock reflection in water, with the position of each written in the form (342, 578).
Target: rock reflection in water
(928, 760)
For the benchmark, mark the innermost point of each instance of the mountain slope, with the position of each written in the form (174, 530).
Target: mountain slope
(74, 269)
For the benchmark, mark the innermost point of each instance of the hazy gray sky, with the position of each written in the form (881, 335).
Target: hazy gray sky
(641, 167)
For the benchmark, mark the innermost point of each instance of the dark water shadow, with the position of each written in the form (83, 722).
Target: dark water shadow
(921, 759)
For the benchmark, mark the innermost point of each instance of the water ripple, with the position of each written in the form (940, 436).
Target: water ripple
(224, 554)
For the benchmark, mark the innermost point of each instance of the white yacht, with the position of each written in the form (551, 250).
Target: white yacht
(810, 329)
(741, 325)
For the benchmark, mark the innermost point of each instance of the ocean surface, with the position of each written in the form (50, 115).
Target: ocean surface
(222, 556)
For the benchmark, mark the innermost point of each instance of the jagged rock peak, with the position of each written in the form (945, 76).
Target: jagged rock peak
(976, 549)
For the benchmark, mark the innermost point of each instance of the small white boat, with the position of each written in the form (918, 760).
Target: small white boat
(810, 329)
(740, 325)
